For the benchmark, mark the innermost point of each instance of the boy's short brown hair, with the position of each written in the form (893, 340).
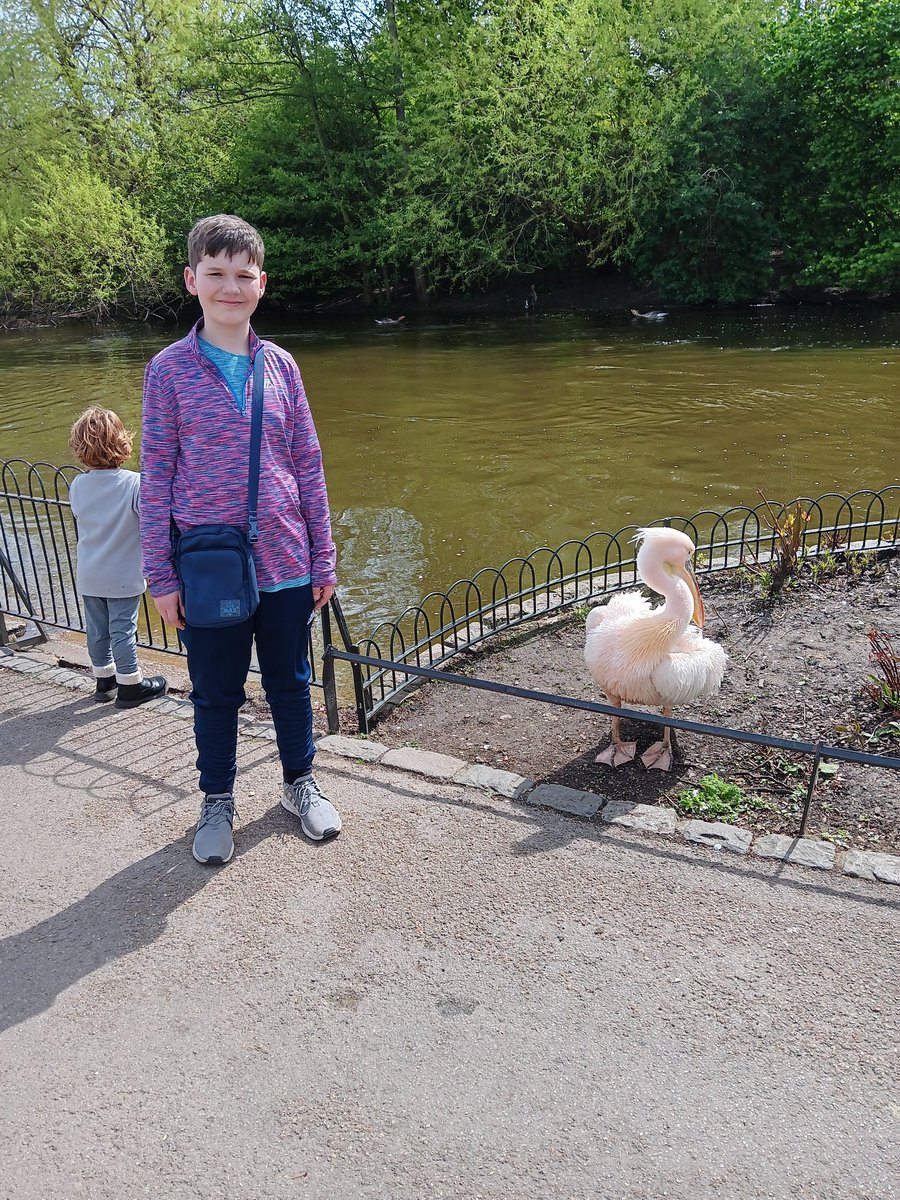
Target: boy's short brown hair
(212, 235)
(99, 440)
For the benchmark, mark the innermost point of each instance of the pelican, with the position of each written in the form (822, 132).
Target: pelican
(644, 655)
(653, 314)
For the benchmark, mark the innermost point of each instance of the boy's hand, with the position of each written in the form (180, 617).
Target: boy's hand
(169, 608)
(321, 595)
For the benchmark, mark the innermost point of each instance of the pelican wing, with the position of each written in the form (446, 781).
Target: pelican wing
(692, 671)
(622, 606)
(623, 652)
(629, 605)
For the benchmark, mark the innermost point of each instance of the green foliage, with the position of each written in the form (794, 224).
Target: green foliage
(833, 65)
(861, 561)
(788, 525)
(448, 144)
(824, 567)
(499, 175)
(318, 217)
(717, 800)
(839, 837)
(84, 245)
(705, 231)
(882, 739)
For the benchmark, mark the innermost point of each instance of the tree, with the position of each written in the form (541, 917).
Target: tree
(705, 229)
(834, 65)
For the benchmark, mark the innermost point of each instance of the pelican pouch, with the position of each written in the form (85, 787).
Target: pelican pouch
(214, 563)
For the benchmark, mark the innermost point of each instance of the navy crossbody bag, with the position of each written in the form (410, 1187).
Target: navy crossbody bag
(214, 563)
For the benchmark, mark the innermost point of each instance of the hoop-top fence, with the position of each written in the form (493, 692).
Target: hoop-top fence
(444, 623)
(37, 537)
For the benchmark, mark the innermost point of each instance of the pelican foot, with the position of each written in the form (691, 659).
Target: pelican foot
(657, 757)
(617, 753)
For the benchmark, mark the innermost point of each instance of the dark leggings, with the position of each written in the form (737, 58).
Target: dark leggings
(218, 661)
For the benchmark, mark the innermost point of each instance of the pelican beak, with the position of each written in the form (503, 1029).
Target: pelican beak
(687, 574)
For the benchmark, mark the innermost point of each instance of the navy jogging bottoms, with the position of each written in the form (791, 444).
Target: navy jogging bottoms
(218, 661)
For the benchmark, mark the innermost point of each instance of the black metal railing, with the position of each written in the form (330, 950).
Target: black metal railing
(547, 581)
(37, 529)
(37, 570)
(818, 751)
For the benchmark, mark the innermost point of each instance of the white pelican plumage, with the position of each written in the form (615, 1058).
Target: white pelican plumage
(638, 654)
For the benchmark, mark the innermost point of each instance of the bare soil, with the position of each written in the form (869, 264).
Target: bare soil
(798, 666)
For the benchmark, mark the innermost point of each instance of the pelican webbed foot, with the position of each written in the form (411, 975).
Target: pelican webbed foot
(617, 753)
(658, 757)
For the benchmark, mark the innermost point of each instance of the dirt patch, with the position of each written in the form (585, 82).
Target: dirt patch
(797, 670)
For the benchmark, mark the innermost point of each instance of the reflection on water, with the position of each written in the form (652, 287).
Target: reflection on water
(382, 557)
(455, 445)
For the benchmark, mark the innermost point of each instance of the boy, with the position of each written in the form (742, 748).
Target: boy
(195, 449)
(105, 506)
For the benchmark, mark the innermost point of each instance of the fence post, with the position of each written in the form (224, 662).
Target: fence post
(329, 686)
(35, 638)
(359, 690)
(813, 776)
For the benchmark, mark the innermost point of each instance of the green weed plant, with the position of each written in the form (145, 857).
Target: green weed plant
(788, 524)
(714, 798)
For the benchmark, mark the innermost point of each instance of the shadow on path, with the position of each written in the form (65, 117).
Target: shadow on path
(121, 915)
(108, 754)
(549, 830)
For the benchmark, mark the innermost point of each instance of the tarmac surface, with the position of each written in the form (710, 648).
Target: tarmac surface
(461, 997)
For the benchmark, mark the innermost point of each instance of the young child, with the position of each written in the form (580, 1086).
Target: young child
(195, 449)
(108, 574)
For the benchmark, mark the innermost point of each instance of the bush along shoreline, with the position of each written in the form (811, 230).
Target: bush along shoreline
(532, 295)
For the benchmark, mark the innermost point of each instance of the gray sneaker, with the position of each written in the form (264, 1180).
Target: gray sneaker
(213, 843)
(319, 818)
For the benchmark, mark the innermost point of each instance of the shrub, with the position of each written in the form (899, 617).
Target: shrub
(84, 246)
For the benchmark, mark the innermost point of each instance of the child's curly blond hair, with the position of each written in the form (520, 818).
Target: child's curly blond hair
(99, 440)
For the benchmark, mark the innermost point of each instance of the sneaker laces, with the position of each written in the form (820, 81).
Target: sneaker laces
(307, 792)
(217, 809)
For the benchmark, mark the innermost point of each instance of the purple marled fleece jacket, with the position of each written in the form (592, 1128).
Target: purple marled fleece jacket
(195, 453)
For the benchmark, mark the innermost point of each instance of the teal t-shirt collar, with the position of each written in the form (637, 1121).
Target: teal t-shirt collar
(235, 369)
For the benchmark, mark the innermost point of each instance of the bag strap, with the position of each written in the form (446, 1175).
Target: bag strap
(256, 415)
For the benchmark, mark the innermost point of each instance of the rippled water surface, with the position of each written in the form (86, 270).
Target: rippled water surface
(455, 445)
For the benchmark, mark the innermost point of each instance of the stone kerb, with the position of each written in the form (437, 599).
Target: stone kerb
(644, 818)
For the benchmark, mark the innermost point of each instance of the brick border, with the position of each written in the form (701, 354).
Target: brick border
(646, 818)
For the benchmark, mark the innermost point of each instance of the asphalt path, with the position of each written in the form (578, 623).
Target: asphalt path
(462, 997)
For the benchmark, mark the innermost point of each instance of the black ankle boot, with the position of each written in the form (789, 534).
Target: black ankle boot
(132, 694)
(106, 689)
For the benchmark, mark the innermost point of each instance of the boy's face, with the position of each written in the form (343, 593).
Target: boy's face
(228, 289)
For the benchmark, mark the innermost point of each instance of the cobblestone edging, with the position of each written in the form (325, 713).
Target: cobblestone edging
(646, 818)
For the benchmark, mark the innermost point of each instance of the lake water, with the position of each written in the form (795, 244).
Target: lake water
(453, 445)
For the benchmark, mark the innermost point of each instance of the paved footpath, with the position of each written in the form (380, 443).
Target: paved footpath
(462, 997)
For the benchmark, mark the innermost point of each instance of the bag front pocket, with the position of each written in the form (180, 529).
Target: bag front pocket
(217, 575)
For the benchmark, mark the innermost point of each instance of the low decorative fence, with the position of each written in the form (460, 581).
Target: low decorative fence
(549, 581)
(37, 539)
